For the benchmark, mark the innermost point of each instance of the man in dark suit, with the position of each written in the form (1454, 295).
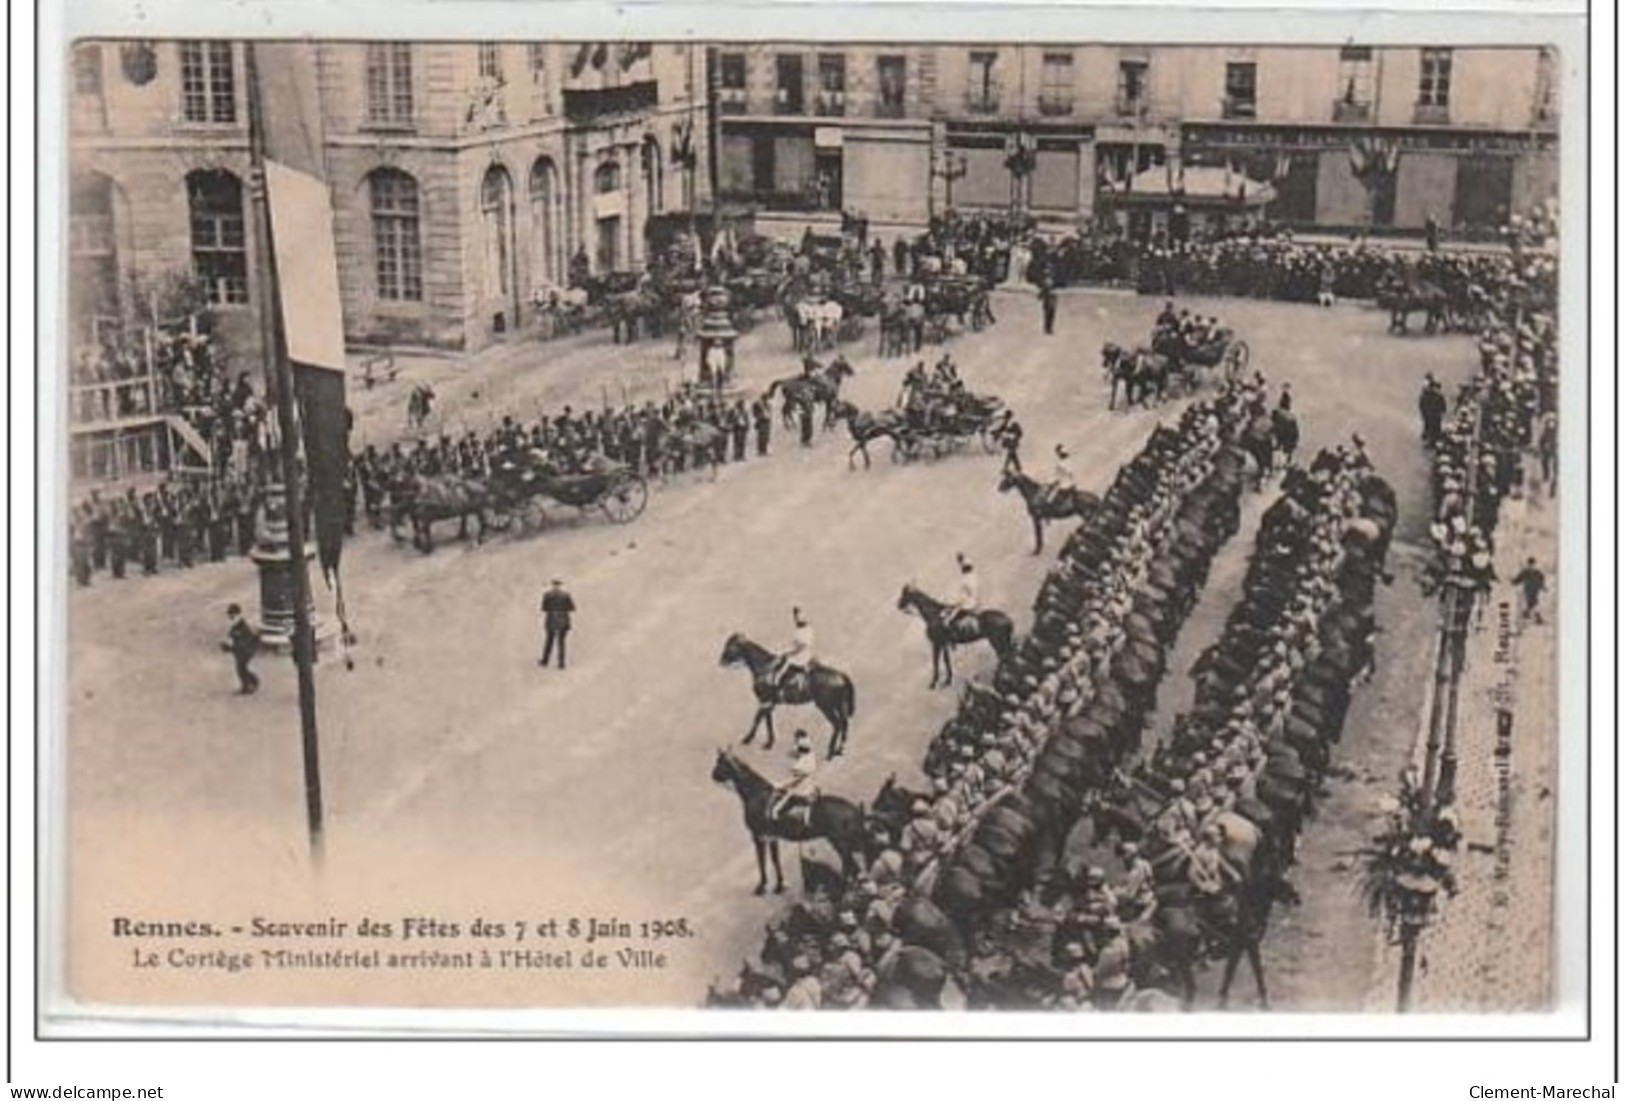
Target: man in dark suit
(242, 643)
(1046, 299)
(557, 608)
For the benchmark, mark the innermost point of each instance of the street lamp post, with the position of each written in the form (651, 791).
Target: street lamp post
(951, 167)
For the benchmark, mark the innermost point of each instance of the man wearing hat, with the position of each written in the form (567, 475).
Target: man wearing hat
(557, 608)
(242, 643)
(1432, 405)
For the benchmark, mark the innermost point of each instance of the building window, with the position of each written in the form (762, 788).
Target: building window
(89, 107)
(731, 84)
(1433, 95)
(1056, 87)
(490, 62)
(654, 176)
(1355, 84)
(544, 219)
(92, 252)
(892, 72)
(389, 84)
(496, 210)
(1241, 90)
(537, 53)
(982, 91)
(607, 179)
(208, 85)
(1133, 87)
(831, 84)
(790, 94)
(87, 71)
(219, 249)
(397, 242)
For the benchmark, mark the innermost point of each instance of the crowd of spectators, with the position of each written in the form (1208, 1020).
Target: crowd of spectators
(1504, 416)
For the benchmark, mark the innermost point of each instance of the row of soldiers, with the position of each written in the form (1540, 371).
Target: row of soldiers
(847, 964)
(179, 524)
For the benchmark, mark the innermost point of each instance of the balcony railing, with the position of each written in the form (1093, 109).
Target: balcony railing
(732, 101)
(889, 108)
(1127, 106)
(830, 104)
(1432, 114)
(1344, 110)
(980, 101)
(587, 104)
(1237, 107)
(1054, 103)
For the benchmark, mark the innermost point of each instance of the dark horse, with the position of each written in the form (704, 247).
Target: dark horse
(867, 427)
(820, 386)
(829, 817)
(993, 626)
(1044, 506)
(830, 690)
(426, 499)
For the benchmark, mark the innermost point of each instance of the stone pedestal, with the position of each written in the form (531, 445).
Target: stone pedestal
(273, 557)
(716, 343)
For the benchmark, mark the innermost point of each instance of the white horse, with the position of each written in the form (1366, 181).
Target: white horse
(563, 307)
(820, 321)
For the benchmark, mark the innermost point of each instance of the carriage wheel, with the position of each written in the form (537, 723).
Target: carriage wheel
(500, 518)
(532, 515)
(625, 500)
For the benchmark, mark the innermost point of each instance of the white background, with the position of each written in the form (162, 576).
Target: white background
(227, 1069)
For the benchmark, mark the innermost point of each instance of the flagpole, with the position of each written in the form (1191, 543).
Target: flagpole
(279, 380)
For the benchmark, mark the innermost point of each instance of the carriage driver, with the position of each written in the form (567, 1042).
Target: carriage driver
(799, 657)
(803, 763)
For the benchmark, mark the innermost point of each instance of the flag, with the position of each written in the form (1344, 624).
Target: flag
(312, 321)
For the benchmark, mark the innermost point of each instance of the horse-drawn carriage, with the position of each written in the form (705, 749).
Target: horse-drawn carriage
(947, 421)
(515, 492)
(1221, 349)
(519, 489)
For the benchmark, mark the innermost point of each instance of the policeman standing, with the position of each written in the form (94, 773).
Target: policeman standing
(1046, 298)
(557, 608)
(1431, 404)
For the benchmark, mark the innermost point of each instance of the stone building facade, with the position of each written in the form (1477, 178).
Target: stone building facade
(1349, 136)
(463, 175)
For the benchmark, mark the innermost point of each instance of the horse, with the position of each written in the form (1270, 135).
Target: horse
(1119, 365)
(1402, 297)
(424, 500)
(828, 817)
(988, 625)
(829, 690)
(1258, 440)
(820, 386)
(1043, 506)
(866, 427)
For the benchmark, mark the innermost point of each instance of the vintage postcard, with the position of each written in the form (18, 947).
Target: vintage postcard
(1048, 524)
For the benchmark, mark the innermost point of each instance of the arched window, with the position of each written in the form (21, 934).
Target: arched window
(219, 245)
(397, 235)
(92, 250)
(606, 180)
(544, 197)
(496, 210)
(654, 184)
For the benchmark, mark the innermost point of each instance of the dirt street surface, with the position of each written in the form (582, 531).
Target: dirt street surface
(462, 781)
